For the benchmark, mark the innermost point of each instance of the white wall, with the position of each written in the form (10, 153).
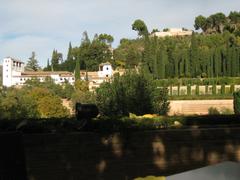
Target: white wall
(107, 71)
(11, 68)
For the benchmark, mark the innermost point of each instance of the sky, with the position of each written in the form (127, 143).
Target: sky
(44, 25)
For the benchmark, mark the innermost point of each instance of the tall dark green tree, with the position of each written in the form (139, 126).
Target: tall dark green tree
(70, 55)
(77, 69)
(194, 56)
(32, 64)
(57, 58)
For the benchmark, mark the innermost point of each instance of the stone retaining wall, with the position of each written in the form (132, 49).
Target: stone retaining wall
(199, 107)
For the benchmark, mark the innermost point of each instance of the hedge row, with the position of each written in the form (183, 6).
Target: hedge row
(105, 125)
(202, 92)
(198, 81)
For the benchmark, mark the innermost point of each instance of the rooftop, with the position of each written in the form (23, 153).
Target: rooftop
(14, 59)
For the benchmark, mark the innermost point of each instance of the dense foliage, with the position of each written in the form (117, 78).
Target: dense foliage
(88, 55)
(131, 93)
(32, 64)
(213, 53)
(43, 99)
(34, 102)
(123, 124)
(236, 102)
(218, 23)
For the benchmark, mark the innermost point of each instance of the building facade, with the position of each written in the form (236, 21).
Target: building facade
(173, 32)
(15, 75)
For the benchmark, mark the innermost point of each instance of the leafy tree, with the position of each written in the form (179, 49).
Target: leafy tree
(121, 96)
(17, 104)
(48, 104)
(200, 23)
(106, 38)
(57, 58)
(32, 64)
(236, 102)
(81, 85)
(165, 29)
(154, 30)
(141, 27)
(129, 53)
(83, 97)
(51, 107)
(69, 90)
(234, 16)
(160, 101)
(218, 21)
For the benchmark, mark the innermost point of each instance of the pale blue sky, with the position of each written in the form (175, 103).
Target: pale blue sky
(42, 25)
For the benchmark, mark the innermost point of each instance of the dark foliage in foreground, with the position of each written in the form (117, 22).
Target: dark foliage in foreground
(108, 125)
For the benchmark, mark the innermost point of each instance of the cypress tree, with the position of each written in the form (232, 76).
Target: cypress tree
(186, 63)
(176, 61)
(77, 69)
(153, 60)
(211, 55)
(146, 56)
(234, 63)
(228, 61)
(237, 62)
(217, 56)
(194, 55)
(162, 59)
(56, 59)
(70, 55)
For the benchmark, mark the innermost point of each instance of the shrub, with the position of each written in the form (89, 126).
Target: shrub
(132, 92)
(236, 102)
(160, 101)
(222, 89)
(213, 111)
(226, 111)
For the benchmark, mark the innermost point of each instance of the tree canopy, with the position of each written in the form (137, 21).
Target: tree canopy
(140, 26)
(32, 64)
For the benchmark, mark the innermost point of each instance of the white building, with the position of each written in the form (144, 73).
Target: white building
(173, 32)
(105, 70)
(14, 74)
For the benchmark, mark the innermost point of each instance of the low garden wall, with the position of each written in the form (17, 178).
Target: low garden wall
(199, 107)
(127, 155)
(202, 90)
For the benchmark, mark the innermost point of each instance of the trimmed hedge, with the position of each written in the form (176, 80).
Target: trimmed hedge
(116, 124)
(200, 97)
(236, 102)
(198, 81)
